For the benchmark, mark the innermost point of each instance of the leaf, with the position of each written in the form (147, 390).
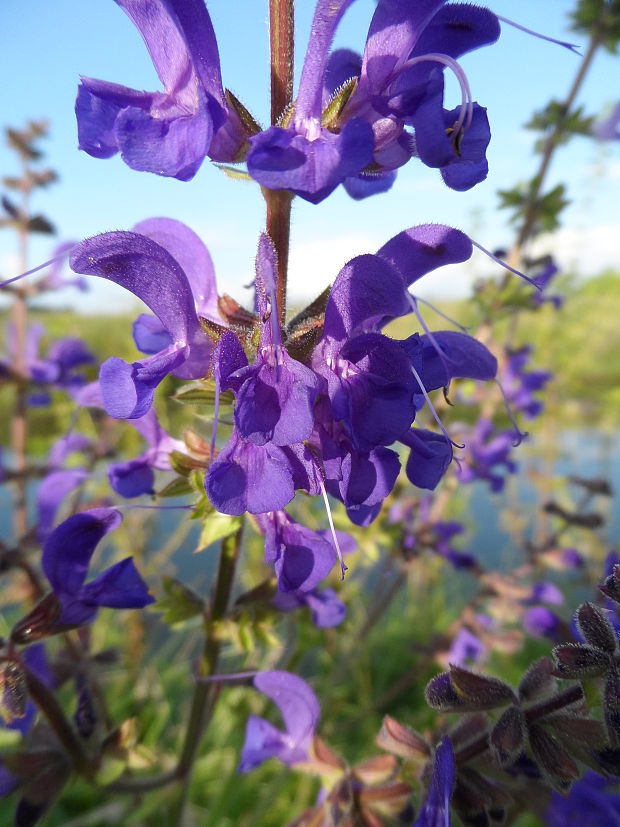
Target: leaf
(480, 691)
(337, 103)
(576, 660)
(217, 527)
(184, 464)
(234, 173)
(202, 393)
(40, 224)
(177, 487)
(595, 628)
(179, 602)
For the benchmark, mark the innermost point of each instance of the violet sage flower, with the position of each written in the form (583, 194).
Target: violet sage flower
(301, 557)
(326, 609)
(276, 395)
(66, 559)
(305, 157)
(135, 477)
(150, 272)
(300, 710)
(170, 132)
(436, 809)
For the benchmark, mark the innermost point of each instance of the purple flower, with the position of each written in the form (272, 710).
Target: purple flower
(248, 477)
(150, 272)
(400, 84)
(325, 607)
(592, 802)
(543, 279)
(276, 395)
(305, 157)
(436, 809)
(52, 490)
(466, 648)
(609, 129)
(369, 379)
(300, 710)
(170, 132)
(135, 477)
(301, 557)
(487, 452)
(539, 621)
(546, 593)
(56, 369)
(66, 558)
(264, 461)
(520, 384)
(429, 458)
(359, 479)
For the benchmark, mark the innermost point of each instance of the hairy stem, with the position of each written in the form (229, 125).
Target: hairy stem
(281, 45)
(279, 230)
(19, 422)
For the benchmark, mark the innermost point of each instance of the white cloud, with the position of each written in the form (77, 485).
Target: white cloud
(584, 250)
(315, 264)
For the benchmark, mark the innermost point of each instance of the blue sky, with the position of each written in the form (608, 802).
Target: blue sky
(47, 45)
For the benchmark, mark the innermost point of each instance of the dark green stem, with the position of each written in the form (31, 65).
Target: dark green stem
(49, 706)
(205, 694)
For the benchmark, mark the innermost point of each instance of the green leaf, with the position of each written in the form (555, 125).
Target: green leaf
(236, 173)
(202, 393)
(184, 464)
(177, 487)
(339, 99)
(217, 527)
(179, 602)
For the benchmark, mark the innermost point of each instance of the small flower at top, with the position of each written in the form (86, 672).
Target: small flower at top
(350, 117)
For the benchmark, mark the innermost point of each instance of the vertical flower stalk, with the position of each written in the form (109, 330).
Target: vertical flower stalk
(19, 422)
(552, 144)
(205, 694)
(281, 45)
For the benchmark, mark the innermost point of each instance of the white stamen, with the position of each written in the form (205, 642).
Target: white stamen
(502, 263)
(520, 435)
(443, 315)
(37, 268)
(343, 568)
(444, 359)
(467, 106)
(572, 47)
(433, 411)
